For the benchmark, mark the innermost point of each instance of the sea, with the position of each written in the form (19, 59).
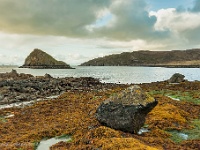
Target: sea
(114, 74)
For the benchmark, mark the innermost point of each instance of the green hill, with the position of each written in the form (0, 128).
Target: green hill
(175, 58)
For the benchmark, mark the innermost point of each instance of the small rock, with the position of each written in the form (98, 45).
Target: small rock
(1, 97)
(47, 75)
(176, 78)
(126, 110)
(14, 72)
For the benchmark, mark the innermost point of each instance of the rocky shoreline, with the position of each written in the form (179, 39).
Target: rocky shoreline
(16, 87)
(73, 113)
(47, 67)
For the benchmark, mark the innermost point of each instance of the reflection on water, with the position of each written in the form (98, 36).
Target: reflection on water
(115, 74)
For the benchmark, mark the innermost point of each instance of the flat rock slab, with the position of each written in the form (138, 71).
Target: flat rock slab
(126, 110)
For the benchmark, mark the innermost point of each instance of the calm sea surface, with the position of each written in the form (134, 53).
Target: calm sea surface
(116, 74)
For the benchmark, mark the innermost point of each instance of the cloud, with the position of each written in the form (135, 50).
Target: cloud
(130, 21)
(119, 19)
(49, 17)
(78, 30)
(183, 26)
(10, 59)
(171, 19)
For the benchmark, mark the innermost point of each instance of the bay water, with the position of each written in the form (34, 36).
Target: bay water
(115, 74)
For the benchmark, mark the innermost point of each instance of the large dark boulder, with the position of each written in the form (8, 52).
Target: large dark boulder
(177, 78)
(126, 110)
(39, 59)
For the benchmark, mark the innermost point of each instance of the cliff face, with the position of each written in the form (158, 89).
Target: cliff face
(40, 60)
(176, 58)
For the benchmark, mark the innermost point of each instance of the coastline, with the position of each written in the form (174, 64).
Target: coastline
(73, 114)
(150, 65)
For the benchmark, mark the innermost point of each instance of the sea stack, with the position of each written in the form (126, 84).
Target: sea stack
(39, 59)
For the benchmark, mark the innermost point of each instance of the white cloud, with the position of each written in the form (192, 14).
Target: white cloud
(131, 21)
(170, 19)
(78, 30)
(183, 26)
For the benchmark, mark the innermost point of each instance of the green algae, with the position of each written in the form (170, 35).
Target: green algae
(186, 96)
(186, 134)
(73, 113)
(177, 136)
(194, 132)
(3, 119)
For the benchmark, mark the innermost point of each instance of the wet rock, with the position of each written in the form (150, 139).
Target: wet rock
(13, 75)
(4, 101)
(1, 97)
(21, 87)
(21, 97)
(47, 75)
(177, 78)
(14, 72)
(126, 110)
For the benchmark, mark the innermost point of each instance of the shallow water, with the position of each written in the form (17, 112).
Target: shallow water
(46, 144)
(176, 99)
(26, 103)
(183, 136)
(143, 130)
(115, 74)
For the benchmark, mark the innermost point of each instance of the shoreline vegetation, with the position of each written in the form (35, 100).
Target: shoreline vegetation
(172, 124)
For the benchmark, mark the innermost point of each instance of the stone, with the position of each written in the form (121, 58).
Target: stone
(177, 78)
(1, 97)
(126, 110)
(25, 87)
(14, 72)
(47, 75)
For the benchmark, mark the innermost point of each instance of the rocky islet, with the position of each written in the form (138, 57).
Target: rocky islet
(39, 59)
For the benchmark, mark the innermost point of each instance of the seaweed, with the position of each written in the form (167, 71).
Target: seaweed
(73, 114)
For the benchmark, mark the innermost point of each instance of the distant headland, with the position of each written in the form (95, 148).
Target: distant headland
(176, 58)
(39, 59)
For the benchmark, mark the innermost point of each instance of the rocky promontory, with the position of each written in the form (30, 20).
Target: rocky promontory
(39, 59)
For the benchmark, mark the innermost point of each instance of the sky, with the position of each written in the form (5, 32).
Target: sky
(76, 31)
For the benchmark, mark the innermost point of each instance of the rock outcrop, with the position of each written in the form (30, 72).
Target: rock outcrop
(126, 110)
(13, 75)
(38, 59)
(18, 87)
(177, 78)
